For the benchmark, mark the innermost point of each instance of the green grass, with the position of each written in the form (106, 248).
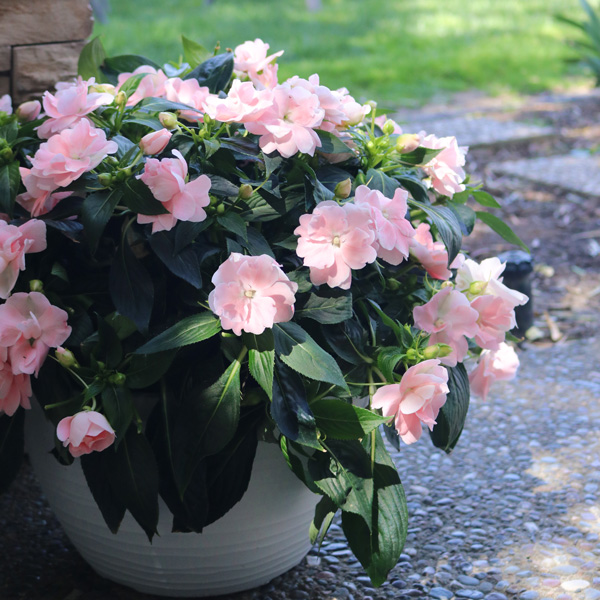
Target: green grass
(395, 51)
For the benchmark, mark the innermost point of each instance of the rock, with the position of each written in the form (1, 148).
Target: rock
(564, 570)
(467, 580)
(575, 585)
(470, 594)
(441, 593)
(495, 596)
(529, 595)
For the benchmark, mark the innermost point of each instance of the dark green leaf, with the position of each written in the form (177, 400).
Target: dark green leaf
(9, 186)
(131, 288)
(324, 513)
(415, 187)
(234, 223)
(125, 63)
(261, 358)
(419, 156)
(387, 359)
(452, 415)
(342, 421)
(465, 216)
(256, 243)
(222, 187)
(152, 105)
(501, 228)
(138, 198)
(193, 52)
(332, 144)
(108, 349)
(118, 409)
(146, 369)
(327, 310)
(186, 232)
(12, 444)
(189, 330)
(378, 180)
(300, 352)
(96, 211)
(91, 59)
(184, 264)
(131, 84)
(214, 73)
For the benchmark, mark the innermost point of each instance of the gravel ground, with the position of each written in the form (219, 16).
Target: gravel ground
(513, 512)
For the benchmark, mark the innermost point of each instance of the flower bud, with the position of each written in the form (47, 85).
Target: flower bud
(155, 142)
(28, 111)
(121, 99)
(388, 127)
(412, 355)
(245, 191)
(343, 188)
(66, 358)
(372, 104)
(6, 155)
(117, 379)
(370, 146)
(103, 88)
(392, 284)
(105, 179)
(436, 351)
(477, 288)
(407, 142)
(208, 120)
(446, 284)
(168, 120)
(220, 209)
(35, 285)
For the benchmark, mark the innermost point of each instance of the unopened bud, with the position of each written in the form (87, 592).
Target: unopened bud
(6, 155)
(407, 142)
(220, 209)
(343, 188)
(388, 127)
(477, 288)
(121, 99)
(370, 146)
(28, 111)
(436, 351)
(372, 104)
(208, 120)
(245, 191)
(117, 379)
(412, 355)
(155, 142)
(66, 358)
(105, 179)
(35, 285)
(103, 88)
(168, 120)
(392, 284)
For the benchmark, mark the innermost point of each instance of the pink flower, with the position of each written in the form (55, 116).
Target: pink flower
(288, 126)
(448, 317)
(151, 86)
(416, 399)
(394, 232)
(87, 431)
(37, 202)
(251, 294)
(29, 111)
(477, 279)
(15, 242)
(185, 200)
(155, 142)
(243, 104)
(29, 326)
(500, 364)
(334, 240)
(15, 390)
(432, 255)
(69, 105)
(250, 60)
(6, 104)
(354, 113)
(496, 317)
(67, 155)
(446, 169)
(190, 93)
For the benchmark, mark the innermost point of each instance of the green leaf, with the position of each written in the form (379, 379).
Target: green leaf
(234, 223)
(214, 73)
(501, 228)
(465, 215)
(192, 329)
(452, 416)
(138, 198)
(9, 186)
(327, 310)
(131, 84)
(124, 63)
(222, 187)
(96, 211)
(118, 409)
(261, 359)
(387, 359)
(184, 264)
(256, 243)
(146, 369)
(12, 445)
(342, 421)
(415, 187)
(153, 105)
(324, 513)
(91, 59)
(331, 144)
(485, 199)
(420, 156)
(109, 348)
(300, 352)
(193, 52)
(131, 288)
(378, 180)
(10, 131)
(290, 409)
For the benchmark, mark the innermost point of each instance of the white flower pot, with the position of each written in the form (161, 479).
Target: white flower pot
(262, 536)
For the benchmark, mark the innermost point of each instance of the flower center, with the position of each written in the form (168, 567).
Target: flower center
(438, 323)
(336, 241)
(249, 293)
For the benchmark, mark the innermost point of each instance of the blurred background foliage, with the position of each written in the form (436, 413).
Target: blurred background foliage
(400, 52)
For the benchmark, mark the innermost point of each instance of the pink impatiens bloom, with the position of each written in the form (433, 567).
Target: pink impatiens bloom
(185, 200)
(251, 60)
(29, 326)
(6, 104)
(432, 255)
(334, 240)
(15, 242)
(155, 142)
(69, 105)
(394, 232)
(29, 111)
(87, 431)
(243, 104)
(448, 317)
(416, 399)
(151, 86)
(251, 294)
(288, 126)
(496, 317)
(501, 364)
(15, 390)
(445, 169)
(190, 93)
(38, 202)
(67, 155)
(354, 113)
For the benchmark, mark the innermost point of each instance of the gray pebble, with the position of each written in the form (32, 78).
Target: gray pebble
(440, 592)
(529, 595)
(470, 594)
(467, 580)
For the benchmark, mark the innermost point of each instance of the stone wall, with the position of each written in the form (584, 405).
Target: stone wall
(40, 41)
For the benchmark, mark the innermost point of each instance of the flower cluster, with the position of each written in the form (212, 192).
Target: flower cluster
(268, 257)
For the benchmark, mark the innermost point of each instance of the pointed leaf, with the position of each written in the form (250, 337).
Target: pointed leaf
(184, 264)
(327, 311)
(214, 73)
(118, 409)
(501, 228)
(96, 211)
(91, 59)
(9, 186)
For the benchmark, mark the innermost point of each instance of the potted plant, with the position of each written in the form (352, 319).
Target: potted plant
(197, 261)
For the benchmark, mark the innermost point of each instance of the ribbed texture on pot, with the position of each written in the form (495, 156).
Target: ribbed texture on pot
(264, 535)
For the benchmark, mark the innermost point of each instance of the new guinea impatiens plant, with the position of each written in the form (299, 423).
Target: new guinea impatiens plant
(268, 260)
